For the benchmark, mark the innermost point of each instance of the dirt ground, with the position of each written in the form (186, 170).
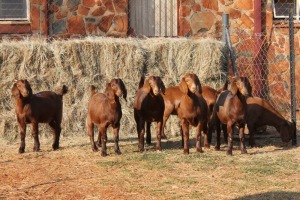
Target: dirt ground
(75, 172)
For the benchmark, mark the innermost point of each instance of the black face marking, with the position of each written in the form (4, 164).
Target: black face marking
(221, 99)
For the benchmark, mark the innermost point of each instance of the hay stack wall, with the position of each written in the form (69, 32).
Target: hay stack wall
(81, 63)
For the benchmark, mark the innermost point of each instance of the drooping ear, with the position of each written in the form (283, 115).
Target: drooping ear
(147, 86)
(123, 88)
(109, 92)
(233, 87)
(162, 86)
(142, 80)
(28, 87)
(15, 91)
(183, 86)
(198, 84)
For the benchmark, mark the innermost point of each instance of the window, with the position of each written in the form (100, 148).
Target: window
(281, 8)
(14, 9)
(153, 17)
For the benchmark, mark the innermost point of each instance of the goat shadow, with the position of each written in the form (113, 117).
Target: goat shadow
(278, 195)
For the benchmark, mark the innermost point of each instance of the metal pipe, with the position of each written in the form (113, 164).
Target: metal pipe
(258, 44)
(292, 73)
(225, 25)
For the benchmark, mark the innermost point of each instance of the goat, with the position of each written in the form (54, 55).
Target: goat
(261, 113)
(191, 110)
(104, 110)
(210, 96)
(42, 107)
(231, 109)
(149, 107)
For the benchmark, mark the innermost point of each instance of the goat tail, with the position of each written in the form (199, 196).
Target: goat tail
(63, 90)
(93, 90)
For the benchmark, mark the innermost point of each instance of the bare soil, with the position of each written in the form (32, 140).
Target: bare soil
(75, 172)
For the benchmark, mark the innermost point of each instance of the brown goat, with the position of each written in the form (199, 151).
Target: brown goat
(104, 110)
(261, 113)
(42, 107)
(149, 107)
(191, 110)
(210, 95)
(231, 109)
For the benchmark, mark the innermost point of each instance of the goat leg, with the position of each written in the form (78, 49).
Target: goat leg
(230, 140)
(56, 129)
(242, 139)
(103, 140)
(158, 136)
(22, 132)
(185, 129)
(90, 127)
(116, 139)
(148, 133)
(218, 129)
(198, 138)
(141, 133)
(35, 133)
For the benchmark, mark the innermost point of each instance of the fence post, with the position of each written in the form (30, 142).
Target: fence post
(292, 73)
(225, 24)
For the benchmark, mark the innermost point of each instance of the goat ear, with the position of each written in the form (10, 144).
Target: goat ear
(28, 87)
(15, 91)
(162, 86)
(198, 85)
(124, 90)
(142, 80)
(109, 91)
(147, 86)
(183, 86)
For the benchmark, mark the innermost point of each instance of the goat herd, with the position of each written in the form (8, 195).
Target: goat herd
(200, 106)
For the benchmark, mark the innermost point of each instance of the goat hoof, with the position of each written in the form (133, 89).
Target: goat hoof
(36, 149)
(55, 147)
(229, 153)
(207, 146)
(199, 151)
(118, 152)
(103, 154)
(217, 148)
(21, 150)
(186, 151)
(244, 151)
(164, 137)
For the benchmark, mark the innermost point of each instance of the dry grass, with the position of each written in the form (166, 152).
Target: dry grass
(75, 172)
(80, 63)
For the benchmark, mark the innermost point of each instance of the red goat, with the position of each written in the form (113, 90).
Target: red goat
(210, 95)
(104, 110)
(261, 113)
(42, 107)
(149, 107)
(231, 109)
(186, 101)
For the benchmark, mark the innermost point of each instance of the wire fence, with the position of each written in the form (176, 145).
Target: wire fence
(258, 29)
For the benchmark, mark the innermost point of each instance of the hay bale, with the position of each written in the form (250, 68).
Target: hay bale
(81, 63)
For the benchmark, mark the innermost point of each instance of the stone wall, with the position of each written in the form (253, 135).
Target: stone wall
(88, 17)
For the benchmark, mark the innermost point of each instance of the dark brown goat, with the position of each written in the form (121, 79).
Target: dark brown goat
(191, 108)
(149, 107)
(231, 109)
(261, 113)
(104, 110)
(42, 107)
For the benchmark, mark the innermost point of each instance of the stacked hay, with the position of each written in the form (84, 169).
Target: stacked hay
(81, 63)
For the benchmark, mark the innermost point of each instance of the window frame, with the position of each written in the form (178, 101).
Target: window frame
(296, 14)
(26, 19)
